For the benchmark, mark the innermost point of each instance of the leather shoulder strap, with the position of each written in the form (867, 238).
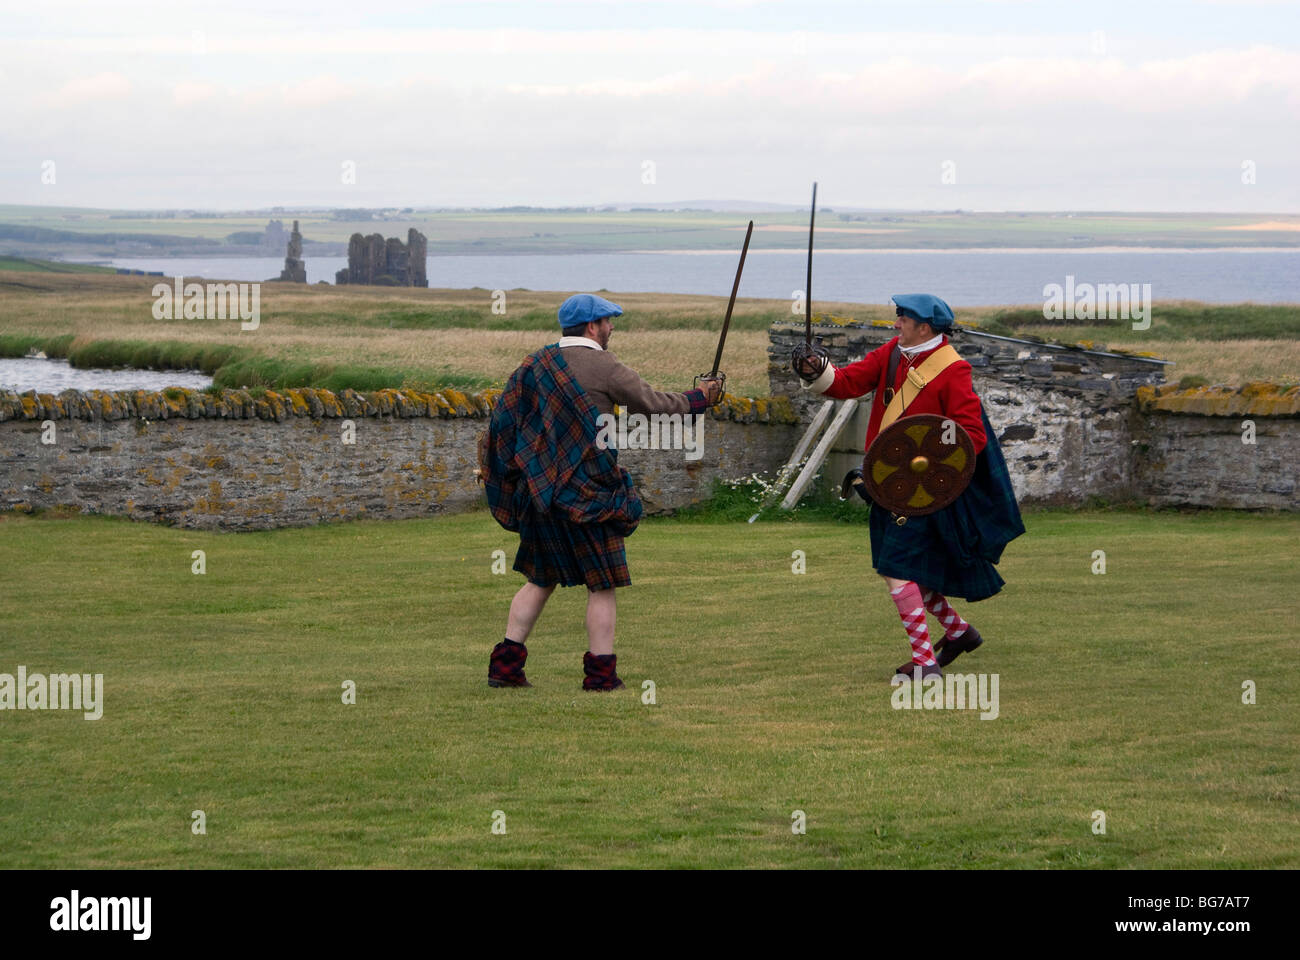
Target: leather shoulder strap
(916, 381)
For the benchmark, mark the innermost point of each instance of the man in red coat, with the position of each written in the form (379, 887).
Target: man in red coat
(951, 552)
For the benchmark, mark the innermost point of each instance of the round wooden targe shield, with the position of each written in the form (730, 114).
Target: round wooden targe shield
(919, 464)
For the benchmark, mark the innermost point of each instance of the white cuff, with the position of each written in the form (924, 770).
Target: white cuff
(822, 383)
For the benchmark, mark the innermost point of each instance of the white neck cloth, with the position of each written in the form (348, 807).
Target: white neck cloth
(935, 341)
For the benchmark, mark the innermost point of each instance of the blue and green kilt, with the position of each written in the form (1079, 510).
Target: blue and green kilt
(555, 550)
(954, 550)
(920, 550)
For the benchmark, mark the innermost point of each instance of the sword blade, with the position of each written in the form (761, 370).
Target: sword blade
(807, 290)
(726, 323)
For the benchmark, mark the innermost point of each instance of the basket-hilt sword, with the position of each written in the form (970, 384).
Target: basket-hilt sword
(808, 349)
(726, 322)
(807, 290)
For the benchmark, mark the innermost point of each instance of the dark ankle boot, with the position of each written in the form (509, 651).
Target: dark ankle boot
(950, 650)
(909, 669)
(506, 666)
(599, 672)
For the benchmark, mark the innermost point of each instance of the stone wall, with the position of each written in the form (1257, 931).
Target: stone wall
(231, 460)
(1075, 423)
(1210, 447)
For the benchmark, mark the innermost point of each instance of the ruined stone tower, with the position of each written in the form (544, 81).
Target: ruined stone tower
(294, 270)
(378, 262)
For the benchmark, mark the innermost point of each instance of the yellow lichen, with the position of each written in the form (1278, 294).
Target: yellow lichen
(739, 406)
(1256, 399)
(330, 402)
(298, 403)
(780, 410)
(458, 400)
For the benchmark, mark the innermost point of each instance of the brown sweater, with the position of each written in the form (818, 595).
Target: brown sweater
(607, 382)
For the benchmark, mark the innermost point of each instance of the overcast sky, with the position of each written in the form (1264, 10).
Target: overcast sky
(1025, 104)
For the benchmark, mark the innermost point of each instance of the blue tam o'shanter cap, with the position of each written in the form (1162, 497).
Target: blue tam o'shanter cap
(585, 307)
(925, 307)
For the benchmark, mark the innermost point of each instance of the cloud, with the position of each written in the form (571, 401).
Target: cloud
(81, 91)
(186, 94)
(321, 91)
(529, 116)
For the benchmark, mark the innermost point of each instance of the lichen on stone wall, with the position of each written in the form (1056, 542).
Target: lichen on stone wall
(228, 404)
(176, 403)
(754, 410)
(1256, 399)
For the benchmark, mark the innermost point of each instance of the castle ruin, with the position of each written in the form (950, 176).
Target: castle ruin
(375, 261)
(295, 271)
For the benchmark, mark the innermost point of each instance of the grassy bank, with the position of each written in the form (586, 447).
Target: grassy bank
(372, 337)
(33, 265)
(1119, 692)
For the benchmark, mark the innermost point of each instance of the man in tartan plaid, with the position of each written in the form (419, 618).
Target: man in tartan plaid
(951, 552)
(548, 479)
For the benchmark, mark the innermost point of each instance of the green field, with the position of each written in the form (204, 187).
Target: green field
(611, 231)
(1119, 692)
(372, 337)
(26, 265)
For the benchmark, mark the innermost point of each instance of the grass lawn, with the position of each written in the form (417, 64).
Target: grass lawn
(1119, 692)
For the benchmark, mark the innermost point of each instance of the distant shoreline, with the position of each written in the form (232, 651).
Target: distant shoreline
(860, 250)
(728, 251)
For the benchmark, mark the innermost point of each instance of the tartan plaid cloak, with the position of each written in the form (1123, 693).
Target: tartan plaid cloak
(954, 550)
(546, 478)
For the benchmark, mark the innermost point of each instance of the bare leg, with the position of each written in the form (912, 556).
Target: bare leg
(894, 584)
(525, 608)
(602, 607)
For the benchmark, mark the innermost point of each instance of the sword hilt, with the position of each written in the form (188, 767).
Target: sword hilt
(854, 483)
(722, 377)
(804, 351)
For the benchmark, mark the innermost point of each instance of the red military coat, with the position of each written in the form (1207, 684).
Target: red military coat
(950, 394)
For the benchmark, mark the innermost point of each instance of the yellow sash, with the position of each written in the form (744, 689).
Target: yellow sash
(917, 378)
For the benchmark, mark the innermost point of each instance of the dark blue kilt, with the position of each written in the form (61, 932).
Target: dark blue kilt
(555, 550)
(954, 550)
